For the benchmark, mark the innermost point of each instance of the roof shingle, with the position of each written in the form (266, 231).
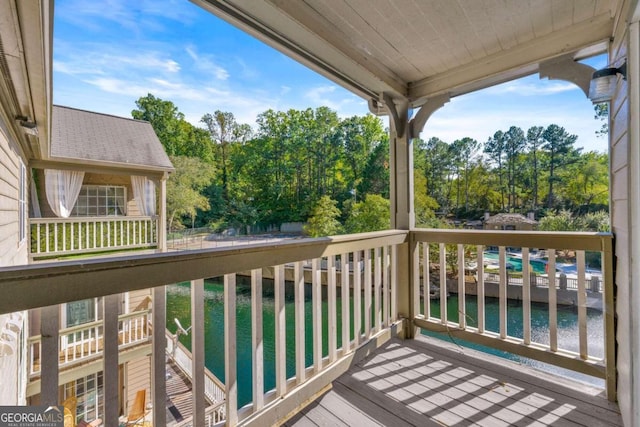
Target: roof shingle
(85, 135)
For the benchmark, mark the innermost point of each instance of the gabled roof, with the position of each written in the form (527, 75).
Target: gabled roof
(510, 219)
(103, 139)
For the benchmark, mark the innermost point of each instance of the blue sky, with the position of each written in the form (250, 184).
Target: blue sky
(109, 53)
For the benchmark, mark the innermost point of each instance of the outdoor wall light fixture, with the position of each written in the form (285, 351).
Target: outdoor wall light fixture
(30, 127)
(603, 83)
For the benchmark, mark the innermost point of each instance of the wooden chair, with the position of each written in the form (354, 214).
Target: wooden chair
(70, 405)
(136, 414)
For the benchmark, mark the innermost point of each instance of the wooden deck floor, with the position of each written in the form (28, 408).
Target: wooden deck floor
(424, 382)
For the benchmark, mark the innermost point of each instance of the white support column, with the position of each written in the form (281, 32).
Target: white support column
(402, 131)
(110, 346)
(162, 215)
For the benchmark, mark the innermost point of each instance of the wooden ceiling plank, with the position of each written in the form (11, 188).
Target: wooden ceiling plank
(540, 10)
(522, 57)
(561, 14)
(584, 10)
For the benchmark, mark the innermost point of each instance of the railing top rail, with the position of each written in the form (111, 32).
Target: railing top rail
(54, 220)
(33, 286)
(587, 241)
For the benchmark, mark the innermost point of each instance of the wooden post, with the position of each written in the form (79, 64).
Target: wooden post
(158, 363)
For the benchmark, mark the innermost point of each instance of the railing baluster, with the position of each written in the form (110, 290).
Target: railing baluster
(443, 284)
(377, 278)
(72, 236)
(582, 306)
(316, 284)
(480, 288)
(110, 351)
(158, 363)
(230, 354)
(553, 308)
(257, 344)
(49, 326)
(357, 298)
(344, 288)
(55, 237)
(462, 310)
(426, 281)
(502, 260)
(367, 293)
(197, 347)
(416, 282)
(386, 282)
(394, 283)
(526, 297)
(332, 307)
(298, 273)
(280, 325)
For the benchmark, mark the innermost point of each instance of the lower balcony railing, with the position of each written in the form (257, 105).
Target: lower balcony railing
(358, 290)
(67, 236)
(85, 342)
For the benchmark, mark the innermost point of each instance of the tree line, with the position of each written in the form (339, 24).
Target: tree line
(333, 173)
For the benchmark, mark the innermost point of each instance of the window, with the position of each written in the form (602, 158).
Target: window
(89, 392)
(100, 200)
(22, 201)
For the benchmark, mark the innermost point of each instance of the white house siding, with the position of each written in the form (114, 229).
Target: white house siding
(12, 252)
(137, 377)
(625, 210)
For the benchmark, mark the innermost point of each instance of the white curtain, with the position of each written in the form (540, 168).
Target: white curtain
(144, 191)
(35, 204)
(62, 188)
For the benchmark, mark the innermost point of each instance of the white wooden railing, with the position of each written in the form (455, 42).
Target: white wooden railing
(85, 342)
(65, 236)
(213, 415)
(384, 280)
(439, 255)
(373, 309)
(213, 387)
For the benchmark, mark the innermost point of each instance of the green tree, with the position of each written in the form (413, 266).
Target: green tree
(224, 131)
(495, 148)
(178, 137)
(184, 187)
(514, 144)
(534, 142)
(560, 152)
(324, 219)
(372, 214)
(602, 114)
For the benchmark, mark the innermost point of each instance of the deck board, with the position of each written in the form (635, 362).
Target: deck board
(425, 382)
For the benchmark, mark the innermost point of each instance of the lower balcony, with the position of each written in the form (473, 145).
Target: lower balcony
(346, 311)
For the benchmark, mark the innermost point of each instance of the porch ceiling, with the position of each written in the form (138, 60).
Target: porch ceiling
(416, 49)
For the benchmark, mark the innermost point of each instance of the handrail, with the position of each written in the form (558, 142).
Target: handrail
(44, 284)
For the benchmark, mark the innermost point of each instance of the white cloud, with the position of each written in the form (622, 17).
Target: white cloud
(206, 64)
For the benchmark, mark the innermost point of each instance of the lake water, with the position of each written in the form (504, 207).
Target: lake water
(179, 303)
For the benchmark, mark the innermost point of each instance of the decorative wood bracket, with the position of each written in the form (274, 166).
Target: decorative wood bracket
(417, 123)
(567, 69)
